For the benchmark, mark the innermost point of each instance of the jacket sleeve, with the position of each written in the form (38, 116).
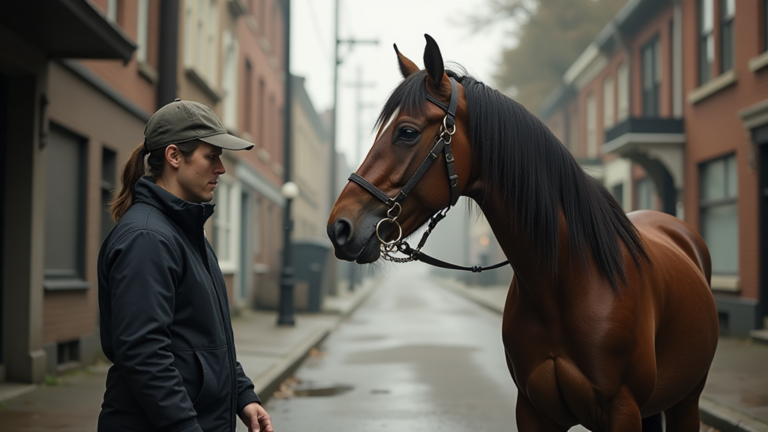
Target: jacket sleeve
(144, 273)
(245, 393)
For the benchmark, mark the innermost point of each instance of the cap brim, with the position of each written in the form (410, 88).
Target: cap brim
(227, 142)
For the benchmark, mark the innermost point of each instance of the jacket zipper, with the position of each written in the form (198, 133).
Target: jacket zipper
(230, 343)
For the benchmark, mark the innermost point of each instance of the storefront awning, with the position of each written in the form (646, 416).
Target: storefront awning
(66, 29)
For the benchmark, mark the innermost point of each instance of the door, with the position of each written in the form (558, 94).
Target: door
(246, 248)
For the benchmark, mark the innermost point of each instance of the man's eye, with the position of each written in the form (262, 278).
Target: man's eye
(408, 134)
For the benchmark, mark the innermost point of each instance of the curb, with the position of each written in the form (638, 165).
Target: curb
(269, 382)
(713, 414)
(727, 419)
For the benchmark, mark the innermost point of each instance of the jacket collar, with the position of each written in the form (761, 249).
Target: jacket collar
(189, 216)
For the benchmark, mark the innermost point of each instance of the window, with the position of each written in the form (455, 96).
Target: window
(765, 25)
(651, 59)
(728, 12)
(65, 211)
(229, 84)
(591, 126)
(623, 92)
(618, 193)
(719, 214)
(608, 108)
(646, 194)
(67, 352)
(706, 40)
(258, 226)
(262, 114)
(225, 219)
(201, 29)
(248, 96)
(222, 222)
(112, 10)
(108, 176)
(142, 31)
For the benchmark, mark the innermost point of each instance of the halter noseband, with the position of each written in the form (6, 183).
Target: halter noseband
(442, 144)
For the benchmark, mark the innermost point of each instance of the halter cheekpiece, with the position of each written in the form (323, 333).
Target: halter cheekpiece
(442, 145)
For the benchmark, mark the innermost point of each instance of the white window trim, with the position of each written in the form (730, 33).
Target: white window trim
(229, 265)
(591, 120)
(230, 80)
(622, 96)
(608, 102)
(112, 10)
(142, 31)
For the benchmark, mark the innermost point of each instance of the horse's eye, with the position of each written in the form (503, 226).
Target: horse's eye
(408, 134)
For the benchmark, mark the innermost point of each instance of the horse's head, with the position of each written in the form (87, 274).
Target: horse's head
(423, 122)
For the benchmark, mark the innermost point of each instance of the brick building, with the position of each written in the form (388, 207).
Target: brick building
(670, 102)
(78, 81)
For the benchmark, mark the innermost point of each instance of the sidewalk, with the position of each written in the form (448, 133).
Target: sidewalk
(736, 396)
(267, 352)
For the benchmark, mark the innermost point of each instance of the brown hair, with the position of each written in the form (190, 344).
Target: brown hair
(136, 167)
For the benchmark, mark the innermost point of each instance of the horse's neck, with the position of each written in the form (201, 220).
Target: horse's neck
(530, 267)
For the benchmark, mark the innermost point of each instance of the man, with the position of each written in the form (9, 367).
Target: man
(165, 321)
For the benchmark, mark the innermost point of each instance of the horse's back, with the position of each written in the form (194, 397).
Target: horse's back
(687, 326)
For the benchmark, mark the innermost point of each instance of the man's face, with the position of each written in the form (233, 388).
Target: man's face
(199, 175)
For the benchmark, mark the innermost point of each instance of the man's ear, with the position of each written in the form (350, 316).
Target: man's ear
(407, 67)
(173, 155)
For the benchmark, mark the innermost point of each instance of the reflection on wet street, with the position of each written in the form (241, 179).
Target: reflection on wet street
(417, 357)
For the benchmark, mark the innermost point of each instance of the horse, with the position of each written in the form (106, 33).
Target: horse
(609, 320)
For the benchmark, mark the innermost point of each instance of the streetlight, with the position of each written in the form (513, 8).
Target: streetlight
(289, 191)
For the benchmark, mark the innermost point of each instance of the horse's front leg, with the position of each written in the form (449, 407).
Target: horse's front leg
(623, 415)
(530, 419)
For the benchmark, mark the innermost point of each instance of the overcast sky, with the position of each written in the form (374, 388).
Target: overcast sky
(403, 22)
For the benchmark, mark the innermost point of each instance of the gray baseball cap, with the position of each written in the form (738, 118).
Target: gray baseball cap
(181, 121)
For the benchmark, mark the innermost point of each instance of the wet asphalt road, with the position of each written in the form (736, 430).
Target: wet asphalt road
(418, 358)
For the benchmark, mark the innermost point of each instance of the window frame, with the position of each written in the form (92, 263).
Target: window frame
(726, 200)
(591, 125)
(706, 41)
(142, 31)
(227, 218)
(56, 279)
(609, 90)
(727, 50)
(622, 92)
(651, 87)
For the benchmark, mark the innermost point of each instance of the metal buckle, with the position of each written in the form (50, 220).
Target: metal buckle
(449, 157)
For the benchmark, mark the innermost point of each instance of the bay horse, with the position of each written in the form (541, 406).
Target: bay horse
(609, 320)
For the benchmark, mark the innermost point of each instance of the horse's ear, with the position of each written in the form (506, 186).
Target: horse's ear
(433, 62)
(407, 67)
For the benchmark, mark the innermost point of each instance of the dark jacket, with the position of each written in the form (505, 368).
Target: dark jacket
(165, 322)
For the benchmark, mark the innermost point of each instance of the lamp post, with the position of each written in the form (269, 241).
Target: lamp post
(289, 191)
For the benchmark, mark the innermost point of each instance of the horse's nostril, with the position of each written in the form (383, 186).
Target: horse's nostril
(342, 230)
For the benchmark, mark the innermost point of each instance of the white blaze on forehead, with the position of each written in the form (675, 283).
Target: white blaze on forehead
(387, 124)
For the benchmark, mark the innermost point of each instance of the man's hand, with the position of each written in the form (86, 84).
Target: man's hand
(256, 418)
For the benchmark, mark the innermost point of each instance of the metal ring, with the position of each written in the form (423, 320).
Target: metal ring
(445, 127)
(399, 236)
(400, 210)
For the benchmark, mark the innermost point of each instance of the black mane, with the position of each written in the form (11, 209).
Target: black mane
(536, 176)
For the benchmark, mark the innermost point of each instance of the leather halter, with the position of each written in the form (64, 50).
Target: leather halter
(442, 144)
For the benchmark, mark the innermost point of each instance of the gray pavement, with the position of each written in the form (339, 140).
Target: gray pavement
(268, 353)
(735, 398)
(414, 358)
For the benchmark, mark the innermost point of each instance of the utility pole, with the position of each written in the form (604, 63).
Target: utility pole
(337, 61)
(358, 85)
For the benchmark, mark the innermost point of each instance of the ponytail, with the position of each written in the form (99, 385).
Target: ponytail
(132, 171)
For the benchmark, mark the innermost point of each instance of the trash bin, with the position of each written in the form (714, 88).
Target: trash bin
(309, 259)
